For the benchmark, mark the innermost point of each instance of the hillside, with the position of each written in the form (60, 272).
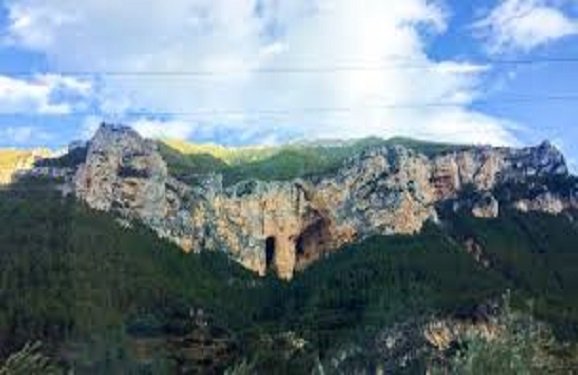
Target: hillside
(70, 276)
(271, 220)
(281, 163)
(105, 298)
(396, 256)
(13, 161)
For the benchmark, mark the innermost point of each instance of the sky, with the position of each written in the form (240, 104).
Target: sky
(239, 72)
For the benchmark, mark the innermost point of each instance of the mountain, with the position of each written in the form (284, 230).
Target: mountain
(285, 225)
(393, 256)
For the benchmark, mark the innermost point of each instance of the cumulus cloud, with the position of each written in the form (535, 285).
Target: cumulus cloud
(522, 25)
(163, 129)
(308, 68)
(43, 94)
(148, 128)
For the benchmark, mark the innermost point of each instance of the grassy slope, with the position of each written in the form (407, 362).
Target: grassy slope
(12, 158)
(275, 163)
(230, 155)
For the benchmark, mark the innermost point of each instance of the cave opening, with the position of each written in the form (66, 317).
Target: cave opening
(312, 243)
(300, 246)
(270, 244)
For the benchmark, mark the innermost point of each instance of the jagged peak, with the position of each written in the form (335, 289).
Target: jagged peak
(120, 137)
(108, 132)
(115, 128)
(544, 158)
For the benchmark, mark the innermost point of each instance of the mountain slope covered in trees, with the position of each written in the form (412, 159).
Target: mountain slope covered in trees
(105, 298)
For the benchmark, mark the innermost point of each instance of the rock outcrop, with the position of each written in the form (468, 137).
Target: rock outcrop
(486, 207)
(125, 174)
(548, 202)
(283, 227)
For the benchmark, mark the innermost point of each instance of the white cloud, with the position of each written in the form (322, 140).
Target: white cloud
(29, 27)
(524, 25)
(154, 129)
(44, 94)
(163, 129)
(238, 40)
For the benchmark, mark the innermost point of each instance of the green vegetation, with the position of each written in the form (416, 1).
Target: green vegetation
(229, 155)
(96, 293)
(29, 361)
(522, 346)
(384, 279)
(187, 161)
(69, 274)
(188, 167)
(538, 254)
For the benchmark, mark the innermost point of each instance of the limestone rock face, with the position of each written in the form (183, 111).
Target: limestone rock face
(388, 190)
(125, 173)
(486, 207)
(485, 167)
(283, 227)
(547, 202)
(244, 218)
(384, 191)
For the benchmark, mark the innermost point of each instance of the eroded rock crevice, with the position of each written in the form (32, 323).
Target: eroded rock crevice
(270, 252)
(313, 243)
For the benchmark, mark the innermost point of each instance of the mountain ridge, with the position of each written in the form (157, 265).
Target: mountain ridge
(285, 225)
(436, 241)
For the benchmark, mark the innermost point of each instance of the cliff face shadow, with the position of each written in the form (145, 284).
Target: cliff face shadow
(312, 243)
(270, 249)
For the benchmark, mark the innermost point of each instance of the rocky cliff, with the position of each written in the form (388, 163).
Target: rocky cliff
(125, 174)
(284, 226)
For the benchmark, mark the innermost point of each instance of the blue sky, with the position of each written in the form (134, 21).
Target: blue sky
(270, 71)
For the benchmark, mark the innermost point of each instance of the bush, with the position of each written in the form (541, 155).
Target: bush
(522, 346)
(29, 361)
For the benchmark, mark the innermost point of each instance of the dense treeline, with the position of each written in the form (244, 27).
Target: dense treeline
(69, 274)
(383, 279)
(538, 255)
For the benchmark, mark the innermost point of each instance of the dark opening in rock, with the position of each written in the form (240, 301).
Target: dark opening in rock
(128, 172)
(299, 246)
(312, 243)
(270, 252)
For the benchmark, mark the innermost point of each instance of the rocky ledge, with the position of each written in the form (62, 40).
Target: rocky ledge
(285, 226)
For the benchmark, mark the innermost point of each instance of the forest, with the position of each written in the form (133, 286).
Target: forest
(102, 298)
